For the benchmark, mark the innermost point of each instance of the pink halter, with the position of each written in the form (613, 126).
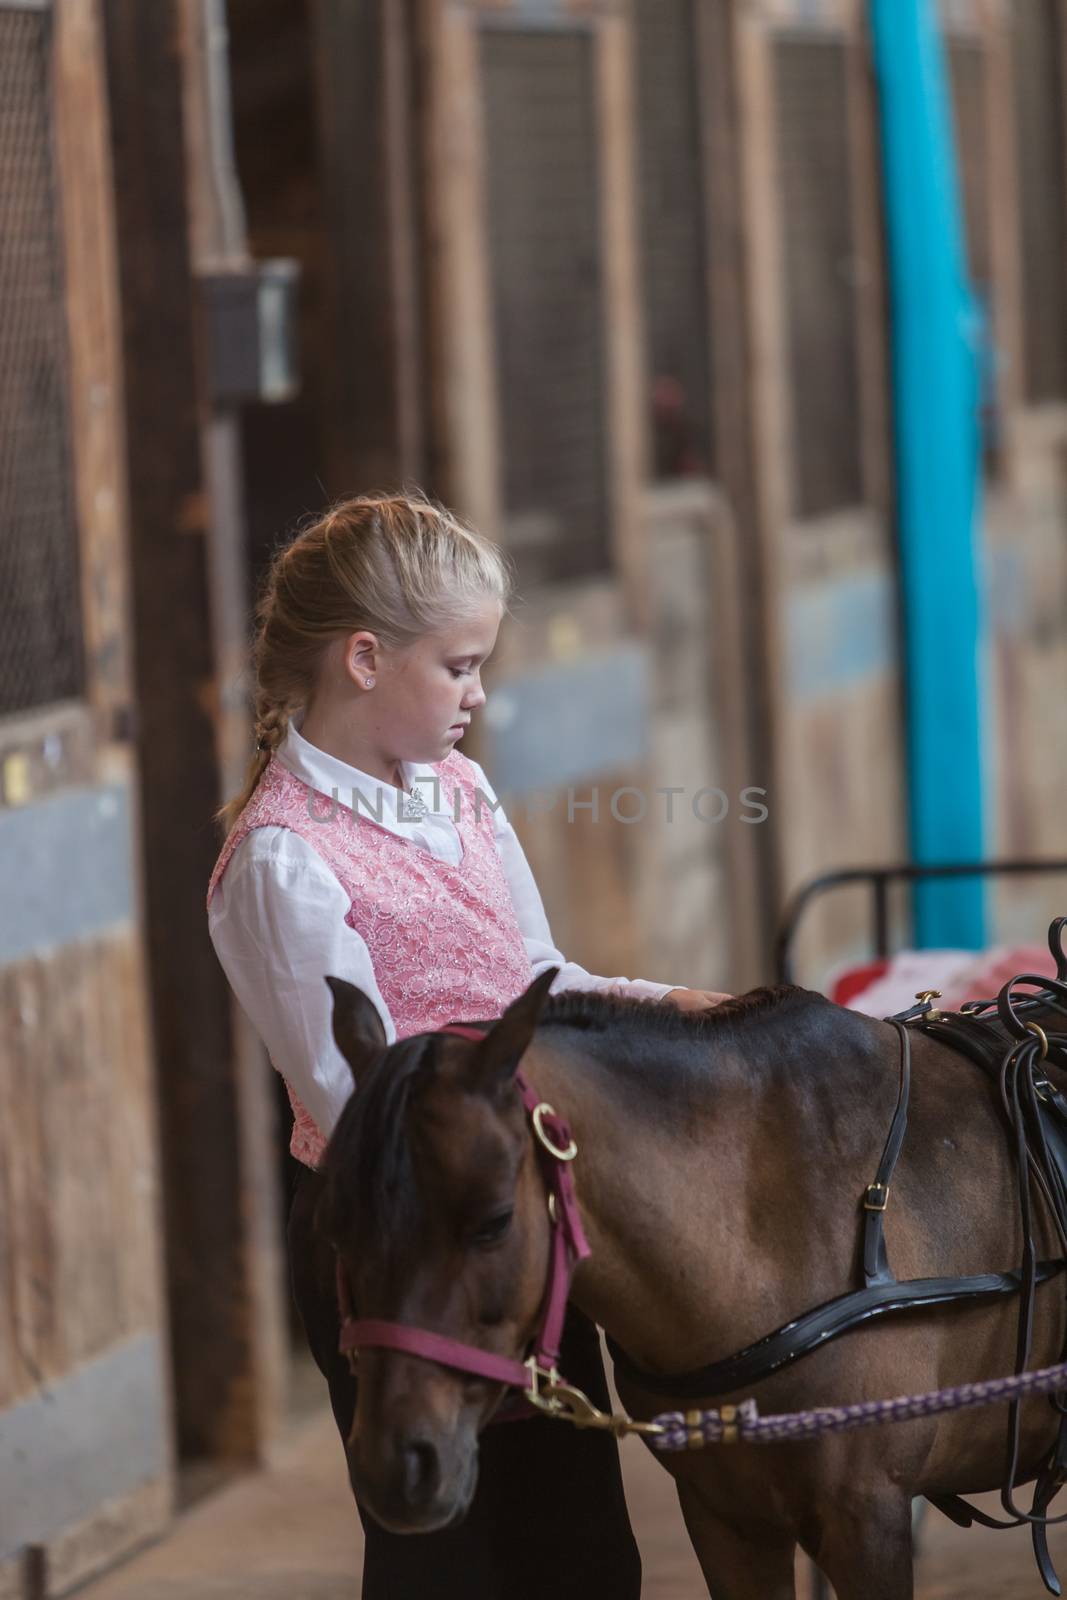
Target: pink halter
(569, 1247)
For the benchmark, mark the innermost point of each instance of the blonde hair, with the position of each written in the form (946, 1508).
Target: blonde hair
(400, 566)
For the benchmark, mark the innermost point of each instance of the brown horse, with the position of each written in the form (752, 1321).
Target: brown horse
(722, 1157)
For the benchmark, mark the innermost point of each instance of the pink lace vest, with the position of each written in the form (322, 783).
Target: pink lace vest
(444, 941)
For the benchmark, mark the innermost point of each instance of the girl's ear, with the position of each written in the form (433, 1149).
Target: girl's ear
(496, 1060)
(360, 655)
(357, 1027)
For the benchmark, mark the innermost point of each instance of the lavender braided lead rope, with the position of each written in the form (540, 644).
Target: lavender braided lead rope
(689, 1430)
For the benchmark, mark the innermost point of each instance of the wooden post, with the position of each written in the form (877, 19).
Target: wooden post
(461, 381)
(749, 64)
(747, 724)
(95, 367)
(624, 377)
(223, 1317)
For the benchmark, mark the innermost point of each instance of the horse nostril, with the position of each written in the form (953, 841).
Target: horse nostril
(421, 1472)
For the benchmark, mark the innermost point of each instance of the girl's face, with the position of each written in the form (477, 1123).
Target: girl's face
(425, 695)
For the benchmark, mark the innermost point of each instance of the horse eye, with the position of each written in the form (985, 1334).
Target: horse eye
(492, 1231)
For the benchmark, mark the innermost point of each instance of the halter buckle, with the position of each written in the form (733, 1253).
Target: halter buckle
(876, 1197)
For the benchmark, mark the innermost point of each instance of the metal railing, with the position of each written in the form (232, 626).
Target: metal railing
(879, 880)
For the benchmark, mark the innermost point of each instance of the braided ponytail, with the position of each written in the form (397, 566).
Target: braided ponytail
(272, 724)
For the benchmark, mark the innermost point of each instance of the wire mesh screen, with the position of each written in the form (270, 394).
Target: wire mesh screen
(41, 655)
(672, 221)
(1041, 130)
(547, 296)
(813, 144)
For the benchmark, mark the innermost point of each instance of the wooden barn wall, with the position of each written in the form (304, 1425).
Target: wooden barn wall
(85, 1426)
(86, 1451)
(817, 333)
(1025, 545)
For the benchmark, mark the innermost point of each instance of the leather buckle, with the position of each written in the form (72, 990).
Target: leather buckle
(876, 1197)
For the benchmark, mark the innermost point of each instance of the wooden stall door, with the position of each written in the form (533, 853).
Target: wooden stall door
(85, 1468)
(817, 336)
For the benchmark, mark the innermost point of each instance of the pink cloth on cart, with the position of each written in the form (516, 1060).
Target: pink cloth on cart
(959, 974)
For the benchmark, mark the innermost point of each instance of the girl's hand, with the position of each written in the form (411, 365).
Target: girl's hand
(695, 999)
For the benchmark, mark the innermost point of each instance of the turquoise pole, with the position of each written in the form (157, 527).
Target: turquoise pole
(935, 337)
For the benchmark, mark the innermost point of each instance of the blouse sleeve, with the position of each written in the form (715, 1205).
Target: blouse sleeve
(277, 922)
(530, 912)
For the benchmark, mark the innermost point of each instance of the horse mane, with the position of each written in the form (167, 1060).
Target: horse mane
(595, 1011)
(370, 1175)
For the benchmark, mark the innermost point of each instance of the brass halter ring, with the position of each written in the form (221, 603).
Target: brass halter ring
(1041, 1035)
(537, 1116)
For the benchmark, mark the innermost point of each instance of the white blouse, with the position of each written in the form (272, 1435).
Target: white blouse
(277, 922)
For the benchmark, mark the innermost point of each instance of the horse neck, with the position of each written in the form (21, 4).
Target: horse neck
(680, 1177)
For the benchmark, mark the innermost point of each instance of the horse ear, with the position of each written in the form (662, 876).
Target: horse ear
(497, 1058)
(357, 1026)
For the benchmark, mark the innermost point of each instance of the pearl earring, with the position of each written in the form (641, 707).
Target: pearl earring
(368, 683)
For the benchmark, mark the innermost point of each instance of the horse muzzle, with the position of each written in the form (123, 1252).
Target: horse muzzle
(416, 1483)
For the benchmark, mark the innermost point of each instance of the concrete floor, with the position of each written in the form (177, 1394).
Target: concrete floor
(291, 1533)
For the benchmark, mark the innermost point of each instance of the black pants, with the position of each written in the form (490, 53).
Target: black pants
(548, 1520)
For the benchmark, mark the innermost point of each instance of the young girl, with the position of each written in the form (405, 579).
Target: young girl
(360, 848)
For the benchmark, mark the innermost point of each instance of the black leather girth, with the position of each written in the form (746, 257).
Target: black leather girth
(806, 1333)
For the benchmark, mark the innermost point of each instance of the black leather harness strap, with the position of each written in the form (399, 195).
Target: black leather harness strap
(876, 1195)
